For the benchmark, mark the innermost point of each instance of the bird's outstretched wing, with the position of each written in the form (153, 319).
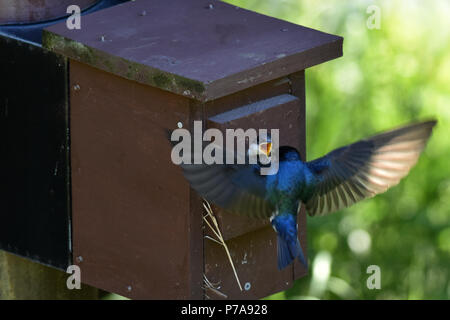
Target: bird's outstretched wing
(238, 188)
(365, 168)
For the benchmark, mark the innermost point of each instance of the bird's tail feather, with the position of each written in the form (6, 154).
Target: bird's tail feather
(288, 251)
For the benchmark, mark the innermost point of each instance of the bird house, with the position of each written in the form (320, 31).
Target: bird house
(140, 68)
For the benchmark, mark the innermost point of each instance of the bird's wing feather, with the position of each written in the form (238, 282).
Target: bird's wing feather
(238, 188)
(365, 168)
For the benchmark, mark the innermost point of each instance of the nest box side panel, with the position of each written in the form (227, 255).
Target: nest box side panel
(281, 112)
(131, 204)
(252, 242)
(235, 225)
(254, 256)
(297, 83)
(34, 211)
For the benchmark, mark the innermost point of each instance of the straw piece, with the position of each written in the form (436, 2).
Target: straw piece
(213, 287)
(218, 234)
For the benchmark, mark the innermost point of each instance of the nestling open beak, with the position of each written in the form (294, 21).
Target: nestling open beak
(265, 148)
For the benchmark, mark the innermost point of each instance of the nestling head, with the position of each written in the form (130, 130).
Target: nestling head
(261, 147)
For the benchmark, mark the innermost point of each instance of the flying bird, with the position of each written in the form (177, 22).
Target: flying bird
(337, 180)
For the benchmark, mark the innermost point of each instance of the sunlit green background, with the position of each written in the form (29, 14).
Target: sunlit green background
(387, 77)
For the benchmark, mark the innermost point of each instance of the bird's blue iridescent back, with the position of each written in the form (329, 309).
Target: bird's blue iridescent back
(292, 183)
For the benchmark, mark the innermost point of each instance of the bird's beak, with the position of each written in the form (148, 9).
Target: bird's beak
(265, 148)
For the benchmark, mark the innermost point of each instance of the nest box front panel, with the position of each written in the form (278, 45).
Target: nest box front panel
(252, 242)
(131, 204)
(282, 112)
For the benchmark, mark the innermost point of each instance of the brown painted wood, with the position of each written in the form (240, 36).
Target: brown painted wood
(255, 257)
(233, 225)
(252, 242)
(247, 96)
(190, 49)
(132, 225)
(281, 112)
(196, 212)
(297, 81)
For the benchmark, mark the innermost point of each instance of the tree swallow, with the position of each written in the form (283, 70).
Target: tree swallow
(337, 180)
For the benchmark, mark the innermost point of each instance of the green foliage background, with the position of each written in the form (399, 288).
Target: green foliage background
(387, 77)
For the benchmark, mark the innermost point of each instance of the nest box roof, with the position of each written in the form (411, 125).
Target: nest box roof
(199, 49)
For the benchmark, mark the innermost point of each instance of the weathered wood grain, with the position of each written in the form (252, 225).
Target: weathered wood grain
(226, 50)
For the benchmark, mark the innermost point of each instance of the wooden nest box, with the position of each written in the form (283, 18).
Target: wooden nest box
(139, 68)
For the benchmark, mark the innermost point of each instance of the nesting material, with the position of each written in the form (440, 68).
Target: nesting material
(211, 221)
(214, 287)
